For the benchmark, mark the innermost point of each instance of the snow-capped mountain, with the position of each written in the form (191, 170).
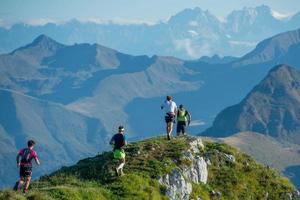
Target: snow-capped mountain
(189, 34)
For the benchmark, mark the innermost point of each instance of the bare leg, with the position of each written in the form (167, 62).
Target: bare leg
(171, 127)
(19, 182)
(120, 167)
(28, 178)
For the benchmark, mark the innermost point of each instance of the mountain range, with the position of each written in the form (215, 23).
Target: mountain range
(98, 88)
(189, 34)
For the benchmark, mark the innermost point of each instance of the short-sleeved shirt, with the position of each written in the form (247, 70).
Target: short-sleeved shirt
(32, 155)
(169, 107)
(119, 140)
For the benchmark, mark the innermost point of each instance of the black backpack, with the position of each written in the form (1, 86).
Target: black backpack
(26, 156)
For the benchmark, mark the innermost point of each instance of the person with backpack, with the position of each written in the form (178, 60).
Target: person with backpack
(183, 117)
(26, 155)
(170, 109)
(119, 141)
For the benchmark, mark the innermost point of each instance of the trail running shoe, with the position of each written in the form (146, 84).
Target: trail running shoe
(16, 186)
(117, 172)
(169, 137)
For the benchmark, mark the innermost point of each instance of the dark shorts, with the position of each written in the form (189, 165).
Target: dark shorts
(25, 171)
(181, 127)
(169, 118)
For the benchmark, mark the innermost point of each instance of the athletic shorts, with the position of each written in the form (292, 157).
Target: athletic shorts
(169, 118)
(119, 154)
(181, 127)
(25, 171)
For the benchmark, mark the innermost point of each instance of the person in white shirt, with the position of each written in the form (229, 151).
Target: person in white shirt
(170, 109)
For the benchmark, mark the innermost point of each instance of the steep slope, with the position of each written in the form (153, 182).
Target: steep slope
(191, 33)
(271, 108)
(184, 168)
(62, 136)
(284, 157)
(274, 48)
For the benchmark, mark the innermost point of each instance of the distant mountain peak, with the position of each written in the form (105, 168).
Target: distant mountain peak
(270, 108)
(258, 9)
(281, 68)
(192, 14)
(43, 46)
(263, 8)
(43, 40)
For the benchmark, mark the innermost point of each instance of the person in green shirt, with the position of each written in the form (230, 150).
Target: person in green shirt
(183, 118)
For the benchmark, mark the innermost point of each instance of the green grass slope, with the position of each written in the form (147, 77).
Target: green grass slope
(93, 178)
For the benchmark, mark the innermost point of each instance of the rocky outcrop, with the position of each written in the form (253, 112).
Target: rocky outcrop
(178, 183)
(177, 187)
(197, 171)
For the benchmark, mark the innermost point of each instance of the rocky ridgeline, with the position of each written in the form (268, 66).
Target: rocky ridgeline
(183, 168)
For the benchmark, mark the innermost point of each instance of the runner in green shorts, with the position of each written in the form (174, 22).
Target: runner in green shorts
(119, 141)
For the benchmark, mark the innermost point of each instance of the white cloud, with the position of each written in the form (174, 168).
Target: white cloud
(43, 21)
(197, 123)
(40, 21)
(117, 21)
(193, 33)
(192, 49)
(222, 19)
(281, 16)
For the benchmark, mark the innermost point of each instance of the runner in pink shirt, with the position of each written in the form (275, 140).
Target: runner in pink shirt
(25, 165)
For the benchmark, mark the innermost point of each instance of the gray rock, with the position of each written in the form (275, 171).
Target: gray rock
(197, 172)
(177, 186)
(215, 194)
(229, 157)
(295, 195)
(208, 162)
(178, 182)
(196, 144)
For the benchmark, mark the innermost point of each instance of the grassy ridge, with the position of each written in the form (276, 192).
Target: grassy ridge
(93, 178)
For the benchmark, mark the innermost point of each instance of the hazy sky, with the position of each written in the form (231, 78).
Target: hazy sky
(12, 11)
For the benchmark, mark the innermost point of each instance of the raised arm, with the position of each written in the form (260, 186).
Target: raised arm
(189, 117)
